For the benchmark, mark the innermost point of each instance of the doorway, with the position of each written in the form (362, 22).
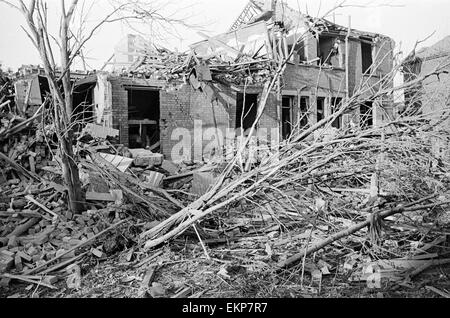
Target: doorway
(143, 118)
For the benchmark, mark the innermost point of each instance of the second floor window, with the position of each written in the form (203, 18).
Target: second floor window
(366, 55)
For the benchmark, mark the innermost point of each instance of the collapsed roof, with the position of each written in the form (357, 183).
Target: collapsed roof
(245, 53)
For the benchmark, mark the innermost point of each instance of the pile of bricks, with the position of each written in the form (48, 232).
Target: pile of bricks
(31, 235)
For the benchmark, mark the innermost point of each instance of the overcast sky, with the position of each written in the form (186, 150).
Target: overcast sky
(404, 20)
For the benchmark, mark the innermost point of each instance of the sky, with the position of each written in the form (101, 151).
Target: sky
(406, 21)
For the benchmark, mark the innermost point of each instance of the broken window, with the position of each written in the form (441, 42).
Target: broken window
(366, 54)
(366, 115)
(246, 110)
(335, 105)
(304, 107)
(299, 52)
(320, 108)
(143, 118)
(328, 50)
(286, 116)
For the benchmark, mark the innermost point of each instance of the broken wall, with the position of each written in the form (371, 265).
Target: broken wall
(28, 93)
(312, 82)
(103, 101)
(435, 94)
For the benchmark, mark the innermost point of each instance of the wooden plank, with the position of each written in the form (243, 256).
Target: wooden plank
(40, 283)
(43, 207)
(95, 196)
(121, 163)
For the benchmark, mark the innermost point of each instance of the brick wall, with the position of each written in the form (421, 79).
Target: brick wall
(119, 87)
(189, 115)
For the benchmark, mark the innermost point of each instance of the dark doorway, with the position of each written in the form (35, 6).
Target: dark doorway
(286, 116)
(335, 106)
(143, 118)
(246, 114)
(320, 108)
(366, 115)
(366, 50)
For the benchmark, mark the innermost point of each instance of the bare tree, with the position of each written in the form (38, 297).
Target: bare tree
(69, 43)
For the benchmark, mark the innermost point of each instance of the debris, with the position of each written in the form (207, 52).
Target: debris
(154, 179)
(146, 158)
(31, 199)
(38, 282)
(6, 263)
(184, 293)
(170, 167)
(437, 291)
(148, 279)
(157, 290)
(98, 131)
(97, 253)
(119, 162)
(202, 182)
(92, 196)
(85, 243)
(73, 281)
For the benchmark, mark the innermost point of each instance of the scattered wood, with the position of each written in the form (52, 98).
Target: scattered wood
(437, 291)
(92, 196)
(43, 207)
(184, 293)
(399, 209)
(27, 280)
(147, 281)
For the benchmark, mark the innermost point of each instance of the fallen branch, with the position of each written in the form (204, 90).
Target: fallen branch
(347, 232)
(25, 279)
(437, 291)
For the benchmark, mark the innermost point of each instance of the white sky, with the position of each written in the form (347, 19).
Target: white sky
(404, 20)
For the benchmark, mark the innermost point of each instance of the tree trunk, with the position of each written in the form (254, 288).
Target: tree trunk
(71, 175)
(65, 138)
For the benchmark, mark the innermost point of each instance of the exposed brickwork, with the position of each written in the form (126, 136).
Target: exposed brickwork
(188, 109)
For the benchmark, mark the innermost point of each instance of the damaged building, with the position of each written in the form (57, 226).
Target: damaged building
(429, 97)
(218, 84)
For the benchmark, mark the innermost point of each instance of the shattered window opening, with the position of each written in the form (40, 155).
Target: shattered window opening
(328, 50)
(299, 52)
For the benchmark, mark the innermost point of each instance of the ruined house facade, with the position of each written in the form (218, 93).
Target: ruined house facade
(328, 65)
(430, 96)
